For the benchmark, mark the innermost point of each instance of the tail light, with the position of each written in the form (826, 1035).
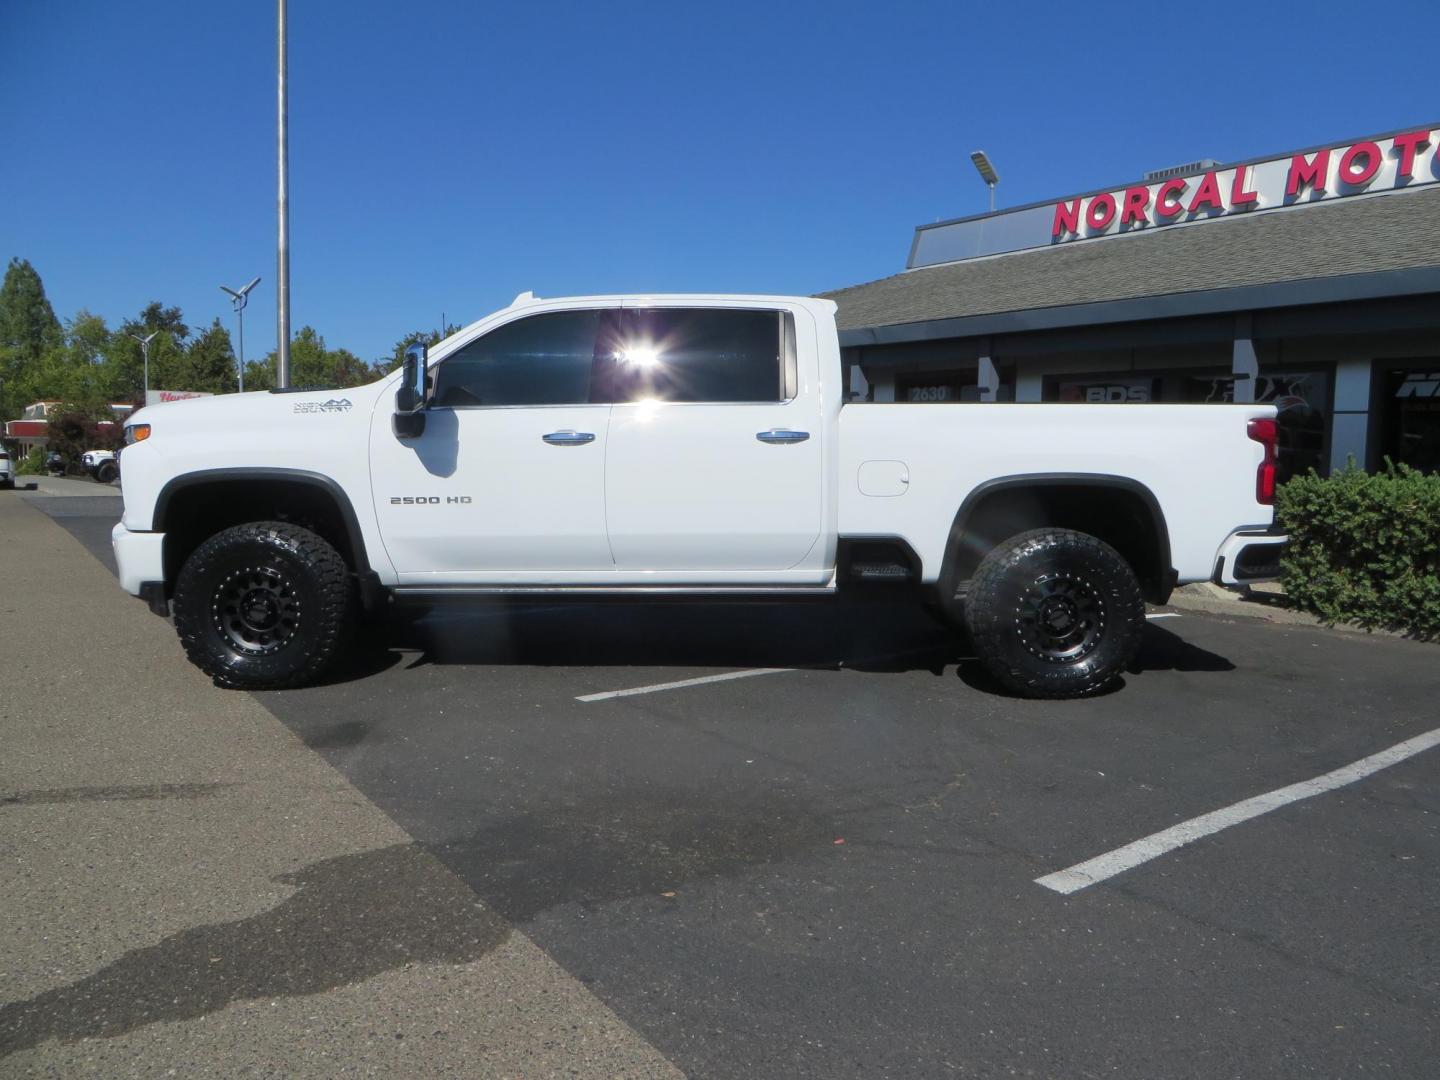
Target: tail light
(1266, 433)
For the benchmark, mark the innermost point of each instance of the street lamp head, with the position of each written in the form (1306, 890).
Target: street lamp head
(239, 296)
(983, 166)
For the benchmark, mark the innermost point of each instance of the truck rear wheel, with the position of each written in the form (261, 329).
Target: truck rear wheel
(1054, 613)
(263, 606)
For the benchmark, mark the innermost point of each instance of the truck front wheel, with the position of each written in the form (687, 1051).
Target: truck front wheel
(1054, 613)
(263, 606)
(106, 472)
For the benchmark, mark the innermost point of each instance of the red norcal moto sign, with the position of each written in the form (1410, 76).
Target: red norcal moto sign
(1370, 165)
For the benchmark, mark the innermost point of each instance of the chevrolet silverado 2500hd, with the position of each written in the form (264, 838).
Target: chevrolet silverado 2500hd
(680, 445)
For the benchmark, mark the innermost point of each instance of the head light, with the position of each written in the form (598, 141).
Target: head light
(136, 433)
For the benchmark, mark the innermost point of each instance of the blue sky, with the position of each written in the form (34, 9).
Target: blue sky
(447, 155)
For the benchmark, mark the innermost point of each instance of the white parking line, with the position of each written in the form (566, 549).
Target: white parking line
(683, 683)
(1093, 871)
(1164, 615)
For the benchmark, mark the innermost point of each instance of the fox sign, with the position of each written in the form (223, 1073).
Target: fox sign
(1396, 161)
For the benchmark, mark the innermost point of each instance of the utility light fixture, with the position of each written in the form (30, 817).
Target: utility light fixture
(238, 299)
(987, 173)
(145, 352)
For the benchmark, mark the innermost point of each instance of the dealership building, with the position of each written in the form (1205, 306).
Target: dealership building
(1308, 279)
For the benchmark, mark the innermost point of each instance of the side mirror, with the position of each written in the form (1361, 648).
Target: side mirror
(409, 419)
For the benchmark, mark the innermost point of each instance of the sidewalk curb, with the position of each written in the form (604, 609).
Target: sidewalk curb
(1209, 599)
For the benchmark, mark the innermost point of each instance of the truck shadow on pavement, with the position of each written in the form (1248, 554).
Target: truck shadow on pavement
(863, 636)
(350, 918)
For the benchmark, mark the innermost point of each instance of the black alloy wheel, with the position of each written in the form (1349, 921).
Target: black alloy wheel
(1054, 613)
(263, 606)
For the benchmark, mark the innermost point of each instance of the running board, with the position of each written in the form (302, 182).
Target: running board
(401, 592)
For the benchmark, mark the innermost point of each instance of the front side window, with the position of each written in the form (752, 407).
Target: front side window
(701, 355)
(543, 360)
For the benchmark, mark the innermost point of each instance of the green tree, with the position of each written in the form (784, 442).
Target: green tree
(312, 364)
(75, 371)
(210, 362)
(429, 337)
(28, 330)
(168, 368)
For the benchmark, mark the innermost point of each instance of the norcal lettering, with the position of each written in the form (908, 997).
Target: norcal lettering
(1392, 162)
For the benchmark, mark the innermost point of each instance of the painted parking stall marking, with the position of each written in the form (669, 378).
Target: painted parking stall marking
(682, 683)
(1093, 871)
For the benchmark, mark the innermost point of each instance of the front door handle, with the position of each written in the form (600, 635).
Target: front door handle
(569, 438)
(782, 435)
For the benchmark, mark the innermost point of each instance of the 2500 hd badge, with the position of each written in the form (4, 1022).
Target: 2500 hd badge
(428, 500)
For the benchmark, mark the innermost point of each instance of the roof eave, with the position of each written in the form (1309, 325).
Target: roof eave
(1325, 290)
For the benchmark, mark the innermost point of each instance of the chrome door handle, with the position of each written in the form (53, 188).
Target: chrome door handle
(568, 438)
(782, 435)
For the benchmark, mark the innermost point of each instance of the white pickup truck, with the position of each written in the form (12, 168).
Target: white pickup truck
(680, 445)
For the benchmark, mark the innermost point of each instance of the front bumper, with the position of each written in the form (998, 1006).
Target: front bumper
(140, 558)
(1249, 556)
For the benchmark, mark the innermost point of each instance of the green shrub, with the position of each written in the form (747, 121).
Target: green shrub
(1365, 548)
(33, 463)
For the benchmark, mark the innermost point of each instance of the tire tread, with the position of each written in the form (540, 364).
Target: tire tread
(987, 615)
(333, 617)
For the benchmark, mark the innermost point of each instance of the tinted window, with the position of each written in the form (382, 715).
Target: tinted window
(690, 354)
(542, 360)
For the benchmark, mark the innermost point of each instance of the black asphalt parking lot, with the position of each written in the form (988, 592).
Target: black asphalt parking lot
(830, 871)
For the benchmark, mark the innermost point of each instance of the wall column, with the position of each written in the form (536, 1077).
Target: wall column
(883, 383)
(1244, 364)
(1350, 423)
(1029, 386)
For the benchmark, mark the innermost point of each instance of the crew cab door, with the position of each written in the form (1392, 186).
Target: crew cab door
(508, 478)
(715, 459)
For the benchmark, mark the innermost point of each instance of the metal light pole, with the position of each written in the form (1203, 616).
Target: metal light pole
(145, 352)
(282, 248)
(238, 300)
(983, 166)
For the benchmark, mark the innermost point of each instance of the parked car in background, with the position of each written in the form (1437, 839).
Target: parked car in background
(100, 465)
(7, 470)
(54, 463)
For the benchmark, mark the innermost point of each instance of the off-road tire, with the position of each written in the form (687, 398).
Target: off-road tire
(106, 472)
(1054, 613)
(264, 606)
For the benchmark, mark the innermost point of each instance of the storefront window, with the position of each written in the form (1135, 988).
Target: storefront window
(1301, 400)
(1411, 416)
(1107, 390)
(949, 387)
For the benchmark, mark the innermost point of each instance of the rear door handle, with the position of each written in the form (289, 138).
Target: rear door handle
(782, 435)
(569, 438)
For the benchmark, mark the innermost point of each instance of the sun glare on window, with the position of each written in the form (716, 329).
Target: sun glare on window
(640, 356)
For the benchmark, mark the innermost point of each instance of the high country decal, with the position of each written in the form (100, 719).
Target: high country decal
(330, 405)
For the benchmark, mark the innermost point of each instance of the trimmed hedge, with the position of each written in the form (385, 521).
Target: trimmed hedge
(1365, 548)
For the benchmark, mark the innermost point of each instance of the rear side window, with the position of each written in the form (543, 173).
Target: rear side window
(701, 355)
(543, 360)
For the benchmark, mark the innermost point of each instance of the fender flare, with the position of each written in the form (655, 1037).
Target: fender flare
(319, 481)
(1017, 481)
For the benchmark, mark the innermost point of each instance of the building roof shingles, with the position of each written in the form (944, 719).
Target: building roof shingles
(1327, 239)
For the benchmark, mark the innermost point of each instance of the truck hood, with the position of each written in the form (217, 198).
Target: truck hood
(259, 409)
